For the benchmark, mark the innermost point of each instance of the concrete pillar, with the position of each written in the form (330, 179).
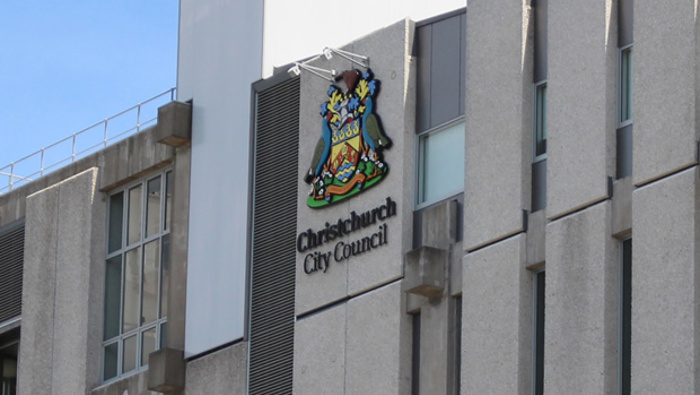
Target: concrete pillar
(664, 87)
(497, 117)
(581, 103)
(664, 275)
(581, 304)
(63, 288)
(496, 328)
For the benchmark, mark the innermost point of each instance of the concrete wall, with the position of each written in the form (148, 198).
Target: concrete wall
(219, 56)
(664, 277)
(581, 304)
(62, 290)
(222, 372)
(498, 119)
(120, 164)
(496, 331)
(580, 104)
(664, 83)
(358, 347)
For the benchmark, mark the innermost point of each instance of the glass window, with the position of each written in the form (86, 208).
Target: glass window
(136, 276)
(540, 120)
(441, 163)
(625, 85)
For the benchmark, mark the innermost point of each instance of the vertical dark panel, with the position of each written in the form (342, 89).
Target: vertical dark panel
(625, 32)
(11, 270)
(626, 318)
(458, 346)
(445, 71)
(624, 151)
(274, 235)
(415, 361)
(539, 185)
(539, 333)
(423, 40)
(540, 69)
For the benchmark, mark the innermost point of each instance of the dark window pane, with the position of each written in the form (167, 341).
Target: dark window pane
(129, 362)
(165, 276)
(153, 207)
(132, 290)
(148, 344)
(113, 285)
(110, 361)
(134, 225)
(116, 218)
(168, 198)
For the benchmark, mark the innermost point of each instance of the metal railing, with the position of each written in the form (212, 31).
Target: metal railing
(83, 143)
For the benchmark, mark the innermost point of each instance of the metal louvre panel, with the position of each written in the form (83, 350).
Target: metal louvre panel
(274, 235)
(11, 267)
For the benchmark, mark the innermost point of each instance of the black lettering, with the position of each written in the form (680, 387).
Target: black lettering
(337, 257)
(347, 251)
(381, 214)
(300, 246)
(391, 207)
(374, 215)
(373, 243)
(306, 268)
(333, 232)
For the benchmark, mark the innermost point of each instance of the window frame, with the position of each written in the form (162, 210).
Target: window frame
(418, 168)
(535, 111)
(618, 88)
(159, 324)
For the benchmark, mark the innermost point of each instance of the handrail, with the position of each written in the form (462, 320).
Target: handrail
(21, 171)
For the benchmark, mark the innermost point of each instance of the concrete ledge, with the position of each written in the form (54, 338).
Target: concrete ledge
(166, 371)
(425, 268)
(174, 126)
(622, 207)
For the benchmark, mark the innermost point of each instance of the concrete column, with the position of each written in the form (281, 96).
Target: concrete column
(63, 288)
(580, 104)
(664, 286)
(498, 119)
(496, 320)
(664, 87)
(581, 304)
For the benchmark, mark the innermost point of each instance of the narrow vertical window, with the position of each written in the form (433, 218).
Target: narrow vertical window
(441, 152)
(538, 329)
(625, 86)
(625, 354)
(415, 359)
(136, 276)
(540, 128)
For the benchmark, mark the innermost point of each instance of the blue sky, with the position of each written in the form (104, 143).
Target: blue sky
(65, 65)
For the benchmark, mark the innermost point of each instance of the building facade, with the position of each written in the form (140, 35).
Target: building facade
(499, 200)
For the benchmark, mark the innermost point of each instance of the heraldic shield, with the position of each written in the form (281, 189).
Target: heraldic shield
(348, 156)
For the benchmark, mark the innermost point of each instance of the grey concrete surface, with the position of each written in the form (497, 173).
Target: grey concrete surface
(496, 331)
(174, 126)
(498, 120)
(581, 304)
(123, 162)
(178, 250)
(64, 266)
(222, 372)
(664, 275)
(580, 104)
(378, 335)
(35, 370)
(135, 384)
(319, 352)
(664, 98)
(536, 237)
(622, 207)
